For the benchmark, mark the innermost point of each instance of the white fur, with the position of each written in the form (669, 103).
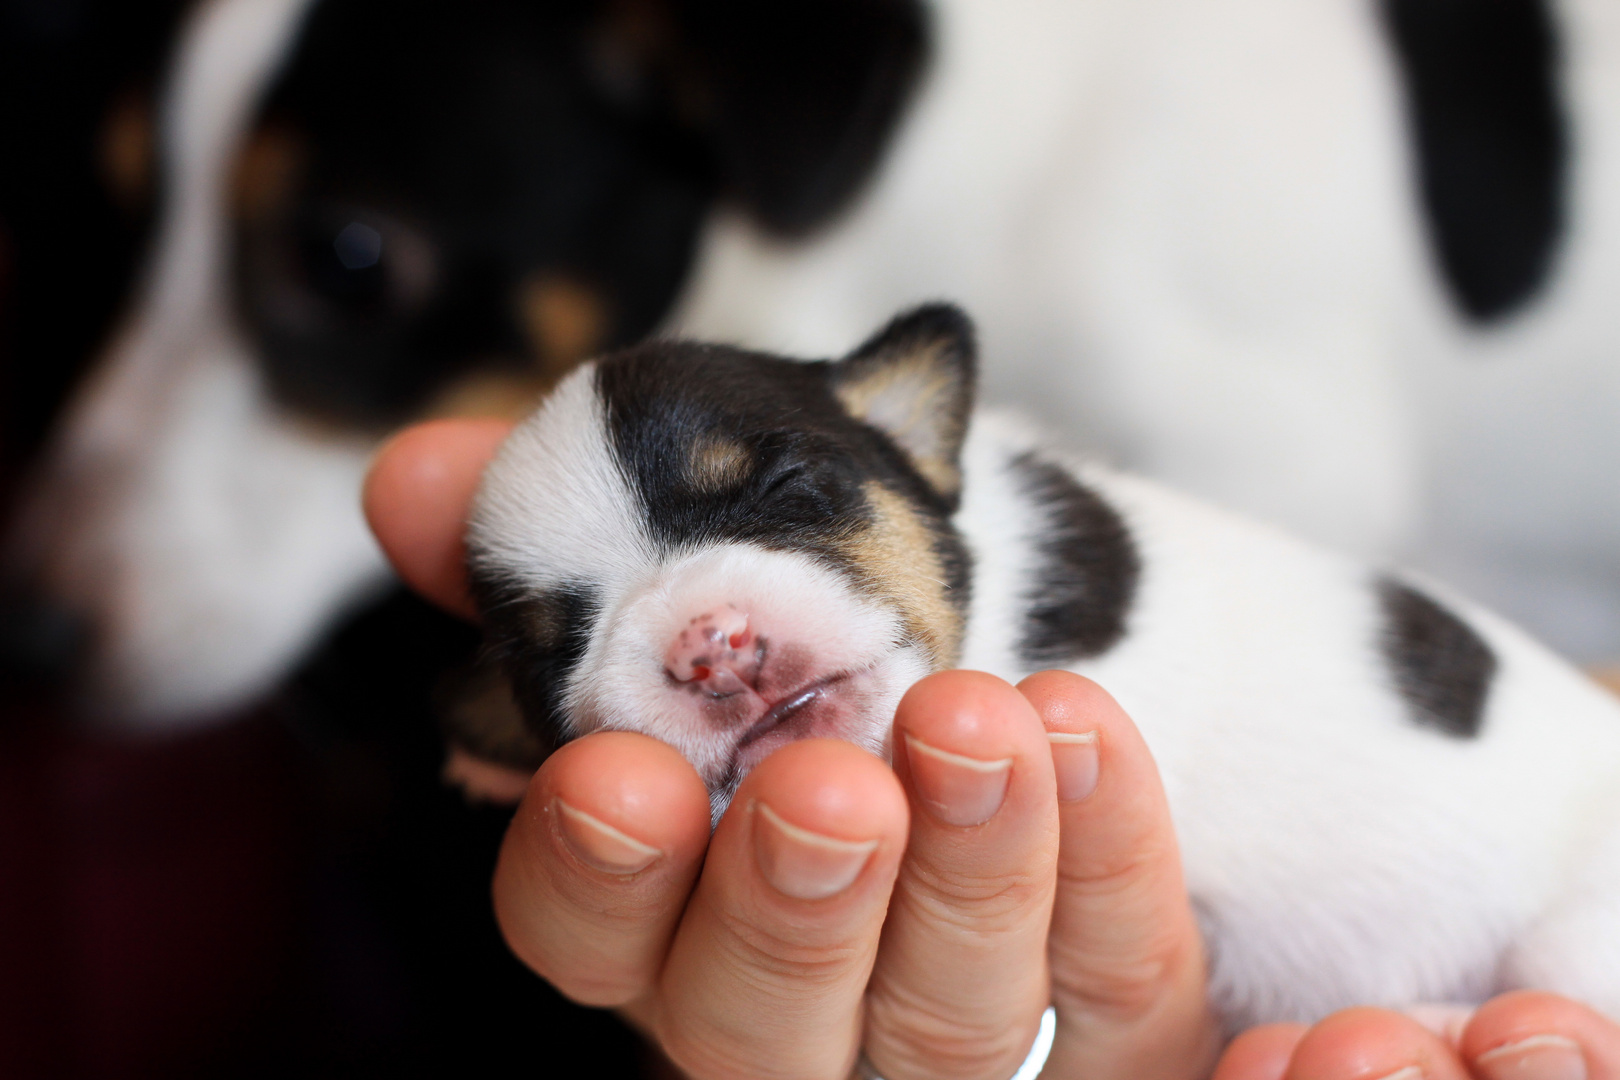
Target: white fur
(207, 537)
(1208, 211)
(555, 502)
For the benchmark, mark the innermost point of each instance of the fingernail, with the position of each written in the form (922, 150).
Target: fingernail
(803, 864)
(959, 790)
(1540, 1057)
(600, 845)
(1074, 756)
(1411, 1072)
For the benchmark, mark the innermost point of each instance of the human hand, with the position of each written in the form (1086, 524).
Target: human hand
(1518, 1036)
(840, 905)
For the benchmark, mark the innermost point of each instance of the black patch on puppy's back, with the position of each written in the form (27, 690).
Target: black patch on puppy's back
(1442, 668)
(1491, 141)
(1078, 605)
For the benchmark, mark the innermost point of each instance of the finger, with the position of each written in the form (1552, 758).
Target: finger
(1373, 1044)
(960, 983)
(1127, 962)
(769, 967)
(1534, 1036)
(598, 863)
(417, 496)
(1261, 1053)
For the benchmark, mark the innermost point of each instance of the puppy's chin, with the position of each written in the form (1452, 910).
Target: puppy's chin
(852, 706)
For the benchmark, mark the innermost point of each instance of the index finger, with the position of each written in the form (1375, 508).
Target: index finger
(416, 499)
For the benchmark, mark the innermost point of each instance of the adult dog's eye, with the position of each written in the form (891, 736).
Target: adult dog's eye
(364, 264)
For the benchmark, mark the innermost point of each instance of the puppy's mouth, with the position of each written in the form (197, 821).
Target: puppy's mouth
(830, 706)
(786, 709)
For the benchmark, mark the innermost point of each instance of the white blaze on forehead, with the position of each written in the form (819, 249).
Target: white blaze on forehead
(555, 507)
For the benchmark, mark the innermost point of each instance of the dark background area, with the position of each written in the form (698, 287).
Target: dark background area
(293, 892)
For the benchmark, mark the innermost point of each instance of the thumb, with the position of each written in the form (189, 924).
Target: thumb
(417, 497)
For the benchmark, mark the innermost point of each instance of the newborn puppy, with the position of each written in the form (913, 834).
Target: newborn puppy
(1384, 795)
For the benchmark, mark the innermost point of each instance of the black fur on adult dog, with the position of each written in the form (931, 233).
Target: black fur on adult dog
(371, 212)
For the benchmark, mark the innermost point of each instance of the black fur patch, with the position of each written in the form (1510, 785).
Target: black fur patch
(1492, 146)
(491, 142)
(537, 638)
(1079, 604)
(1439, 664)
(476, 140)
(805, 94)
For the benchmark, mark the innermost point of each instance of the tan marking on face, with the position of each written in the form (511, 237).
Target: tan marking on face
(717, 464)
(911, 399)
(266, 173)
(563, 320)
(896, 555)
(510, 395)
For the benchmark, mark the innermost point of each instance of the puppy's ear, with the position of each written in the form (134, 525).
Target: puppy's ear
(914, 381)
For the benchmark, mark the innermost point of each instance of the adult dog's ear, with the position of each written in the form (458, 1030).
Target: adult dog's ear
(914, 380)
(800, 96)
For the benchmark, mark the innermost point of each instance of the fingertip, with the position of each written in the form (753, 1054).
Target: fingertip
(968, 700)
(634, 784)
(1261, 1053)
(416, 497)
(1509, 1025)
(829, 787)
(1069, 702)
(969, 713)
(1372, 1044)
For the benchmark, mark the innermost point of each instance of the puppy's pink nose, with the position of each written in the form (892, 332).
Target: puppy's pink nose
(716, 651)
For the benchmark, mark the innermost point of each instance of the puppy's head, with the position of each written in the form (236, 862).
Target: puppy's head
(727, 550)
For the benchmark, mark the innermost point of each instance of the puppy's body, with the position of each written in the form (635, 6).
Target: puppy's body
(1352, 831)
(1383, 795)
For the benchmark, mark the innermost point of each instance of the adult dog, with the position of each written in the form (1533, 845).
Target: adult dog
(1346, 267)
(375, 211)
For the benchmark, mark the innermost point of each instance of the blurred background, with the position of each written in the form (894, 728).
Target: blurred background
(1348, 268)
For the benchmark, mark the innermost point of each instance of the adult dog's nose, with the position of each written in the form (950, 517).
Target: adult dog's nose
(716, 651)
(39, 639)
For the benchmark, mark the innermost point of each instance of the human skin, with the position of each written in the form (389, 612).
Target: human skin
(1019, 852)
